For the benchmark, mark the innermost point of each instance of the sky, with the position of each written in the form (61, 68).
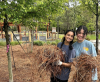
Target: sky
(70, 3)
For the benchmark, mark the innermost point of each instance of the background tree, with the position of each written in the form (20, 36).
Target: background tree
(93, 6)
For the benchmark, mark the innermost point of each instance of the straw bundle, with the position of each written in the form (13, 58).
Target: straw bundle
(47, 58)
(84, 70)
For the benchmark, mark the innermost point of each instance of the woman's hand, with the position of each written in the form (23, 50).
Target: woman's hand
(58, 62)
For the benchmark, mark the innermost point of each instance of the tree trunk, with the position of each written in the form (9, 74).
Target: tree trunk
(97, 34)
(49, 24)
(97, 27)
(31, 40)
(58, 27)
(8, 51)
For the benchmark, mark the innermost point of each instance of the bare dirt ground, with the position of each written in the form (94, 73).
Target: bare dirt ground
(25, 69)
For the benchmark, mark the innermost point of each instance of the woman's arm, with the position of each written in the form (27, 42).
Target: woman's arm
(67, 64)
(70, 62)
(63, 63)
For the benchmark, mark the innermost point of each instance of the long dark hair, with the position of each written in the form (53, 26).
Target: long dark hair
(82, 27)
(70, 44)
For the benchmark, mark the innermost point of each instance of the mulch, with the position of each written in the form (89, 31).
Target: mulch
(26, 65)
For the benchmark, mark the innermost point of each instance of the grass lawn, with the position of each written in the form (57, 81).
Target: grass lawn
(90, 36)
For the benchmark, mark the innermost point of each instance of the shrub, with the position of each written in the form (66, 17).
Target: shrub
(2, 43)
(48, 42)
(12, 43)
(39, 43)
(53, 43)
(75, 39)
(87, 38)
(15, 43)
(57, 41)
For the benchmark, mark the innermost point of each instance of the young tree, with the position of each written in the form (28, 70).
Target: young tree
(17, 10)
(93, 6)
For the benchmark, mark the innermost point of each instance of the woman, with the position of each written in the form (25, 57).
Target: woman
(84, 46)
(66, 46)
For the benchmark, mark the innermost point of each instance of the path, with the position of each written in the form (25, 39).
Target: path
(94, 42)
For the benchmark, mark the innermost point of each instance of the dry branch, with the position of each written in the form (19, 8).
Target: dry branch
(84, 70)
(47, 56)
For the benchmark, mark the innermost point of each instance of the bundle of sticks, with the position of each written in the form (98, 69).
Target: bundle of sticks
(84, 69)
(47, 58)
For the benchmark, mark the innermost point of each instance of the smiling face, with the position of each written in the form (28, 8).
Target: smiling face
(69, 36)
(80, 36)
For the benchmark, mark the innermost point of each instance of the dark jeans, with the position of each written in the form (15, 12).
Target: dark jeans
(54, 79)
